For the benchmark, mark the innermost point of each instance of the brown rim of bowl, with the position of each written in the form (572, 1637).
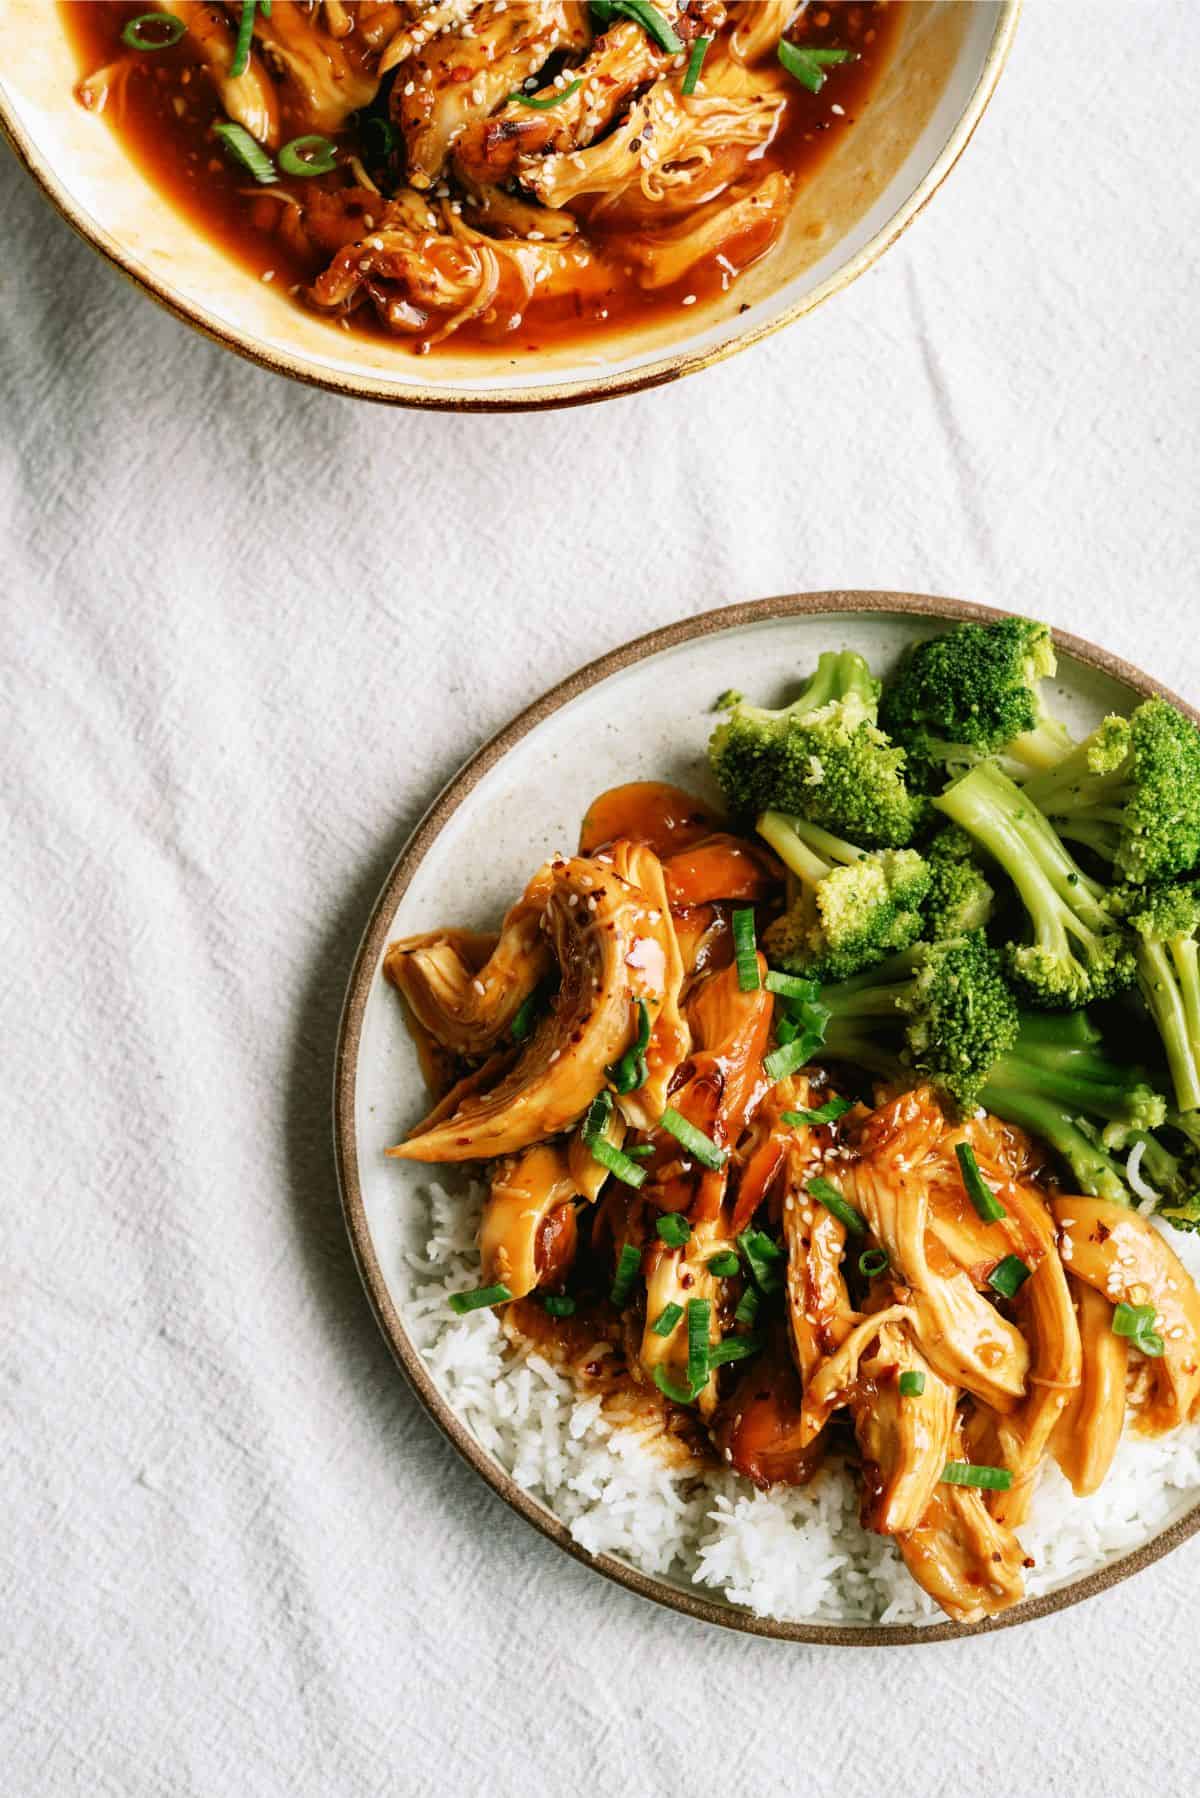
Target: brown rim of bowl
(521, 399)
(660, 1591)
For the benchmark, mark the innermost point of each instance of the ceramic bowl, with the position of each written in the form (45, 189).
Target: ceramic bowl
(948, 61)
(643, 712)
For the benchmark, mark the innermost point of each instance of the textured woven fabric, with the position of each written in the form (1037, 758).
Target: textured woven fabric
(249, 630)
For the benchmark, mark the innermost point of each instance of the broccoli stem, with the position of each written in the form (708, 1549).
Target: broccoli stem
(1010, 1093)
(844, 1041)
(807, 850)
(879, 993)
(838, 673)
(1169, 978)
(1062, 902)
(1070, 1029)
(1042, 748)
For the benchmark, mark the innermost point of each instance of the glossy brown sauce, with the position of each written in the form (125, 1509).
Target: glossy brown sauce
(165, 105)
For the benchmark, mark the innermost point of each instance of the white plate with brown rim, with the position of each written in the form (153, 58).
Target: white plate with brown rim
(641, 712)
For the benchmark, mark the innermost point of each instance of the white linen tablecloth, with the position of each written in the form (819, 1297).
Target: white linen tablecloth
(249, 630)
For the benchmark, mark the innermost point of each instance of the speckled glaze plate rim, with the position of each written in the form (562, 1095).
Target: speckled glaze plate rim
(727, 619)
(575, 391)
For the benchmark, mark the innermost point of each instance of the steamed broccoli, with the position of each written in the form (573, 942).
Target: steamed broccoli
(822, 758)
(1131, 793)
(1077, 952)
(949, 1008)
(854, 905)
(1165, 921)
(960, 897)
(974, 693)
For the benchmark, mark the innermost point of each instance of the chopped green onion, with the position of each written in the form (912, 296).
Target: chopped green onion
(979, 1192)
(379, 140)
(628, 1264)
(702, 1147)
(808, 66)
(557, 99)
(631, 1071)
(734, 1348)
(824, 1114)
(153, 31)
(666, 1320)
(524, 1016)
(787, 1029)
(695, 63)
(791, 986)
(245, 37)
(761, 1253)
(673, 1229)
(912, 1384)
(1008, 1276)
(725, 1265)
(596, 1117)
(311, 155)
(559, 1304)
(967, 1473)
(641, 1151)
(679, 1395)
(828, 1195)
(699, 1313)
(787, 1058)
(616, 1161)
(747, 1309)
(745, 949)
(642, 13)
(872, 1262)
(243, 148)
(480, 1298)
(1137, 1323)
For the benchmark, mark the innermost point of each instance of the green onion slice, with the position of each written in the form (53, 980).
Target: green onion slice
(790, 986)
(1008, 1276)
(912, 1384)
(787, 1058)
(1137, 1323)
(691, 74)
(245, 37)
(628, 1263)
(674, 1229)
(734, 1348)
(762, 1255)
(480, 1298)
(699, 1315)
(978, 1191)
(725, 1265)
(641, 1151)
(551, 100)
(600, 1149)
(153, 31)
(747, 1309)
(967, 1473)
(701, 1147)
(642, 13)
(808, 66)
(243, 148)
(631, 1071)
(525, 1015)
(745, 949)
(379, 139)
(666, 1320)
(311, 155)
(828, 1195)
(824, 1114)
(679, 1395)
(872, 1262)
(559, 1304)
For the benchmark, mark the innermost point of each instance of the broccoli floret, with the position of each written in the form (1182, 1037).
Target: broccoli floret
(960, 897)
(1131, 793)
(949, 1008)
(1058, 1086)
(1077, 951)
(822, 758)
(972, 693)
(854, 906)
(1165, 921)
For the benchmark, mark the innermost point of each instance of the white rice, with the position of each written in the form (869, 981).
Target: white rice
(794, 1553)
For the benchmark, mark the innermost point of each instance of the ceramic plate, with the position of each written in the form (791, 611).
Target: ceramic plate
(643, 712)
